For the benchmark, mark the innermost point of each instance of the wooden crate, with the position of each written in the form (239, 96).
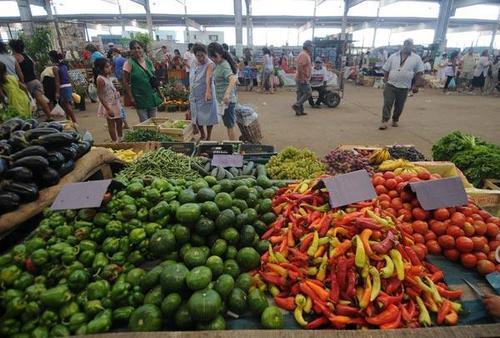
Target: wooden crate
(491, 184)
(151, 124)
(178, 134)
(188, 136)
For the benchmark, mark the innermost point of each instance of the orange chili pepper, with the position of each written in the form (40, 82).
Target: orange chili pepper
(320, 252)
(278, 269)
(276, 239)
(365, 298)
(318, 290)
(340, 250)
(392, 325)
(291, 239)
(452, 318)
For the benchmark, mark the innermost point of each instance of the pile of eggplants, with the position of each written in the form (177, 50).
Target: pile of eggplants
(34, 156)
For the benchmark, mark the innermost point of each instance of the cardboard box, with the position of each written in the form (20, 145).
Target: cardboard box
(445, 169)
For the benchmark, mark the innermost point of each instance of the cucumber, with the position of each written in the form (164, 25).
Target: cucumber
(253, 172)
(228, 174)
(214, 172)
(247, 169)
(234, 171)
(207, 166)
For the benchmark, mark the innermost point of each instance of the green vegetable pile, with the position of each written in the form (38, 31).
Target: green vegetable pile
(160, 163)
(292, 164)
(178, 124)
(85, 271)
(477, 159)
(145, 135)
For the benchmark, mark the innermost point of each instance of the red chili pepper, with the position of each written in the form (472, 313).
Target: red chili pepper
(298, 254)
(295, 289)
(287, 303)
(370, 310)
(412, 292)
(279, 199)
(318, 322)
(365, 222)
(431, 267)
(334, 287)
(348, 218)
(341, 272)
(393, 285)
(450, 294)
(316, 282)
(318, 289)
(392, 325)
(444, 310)
(351, 284)
(272, 278)
(358, 321)
(283, 248)
(415, 261)
(402, 252)
(294, 276)
(325, 225)
(304, 244)
(387, 300)
(308, 291)
(28, 263)
(437, 276)
(268, 233)
(346, 310)
(385, 245)
(388, 315)
(265, 256)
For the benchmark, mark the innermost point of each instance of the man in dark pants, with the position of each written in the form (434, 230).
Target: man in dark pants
(399, 71)
(303, 78)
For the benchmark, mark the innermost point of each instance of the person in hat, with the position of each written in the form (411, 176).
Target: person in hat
(303, 78)
(319, 78)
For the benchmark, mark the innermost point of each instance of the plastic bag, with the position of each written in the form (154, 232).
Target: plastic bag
(57, 111)
(33, 105)
(245, 115)
(92, 90)
(452, 84)
(76, 98)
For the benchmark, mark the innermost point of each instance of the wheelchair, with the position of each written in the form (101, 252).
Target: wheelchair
(331, 97)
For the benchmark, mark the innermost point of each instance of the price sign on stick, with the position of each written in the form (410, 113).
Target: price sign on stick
(234, 160)
(81, 195)
(443, 193)
(349, 188)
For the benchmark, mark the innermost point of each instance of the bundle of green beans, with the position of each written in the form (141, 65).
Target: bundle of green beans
(160, 163)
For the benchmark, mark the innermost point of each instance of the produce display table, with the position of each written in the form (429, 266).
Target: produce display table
(96, 160)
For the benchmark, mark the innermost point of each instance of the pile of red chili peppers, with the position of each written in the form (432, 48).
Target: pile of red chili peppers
(349, 268)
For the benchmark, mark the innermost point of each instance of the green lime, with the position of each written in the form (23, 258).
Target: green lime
(231, 268)
(244, 281)
(248, 258)
(257, 301)
(231, 236)
(224, 285)
(223, 200)
(272, 318)
(216, 265)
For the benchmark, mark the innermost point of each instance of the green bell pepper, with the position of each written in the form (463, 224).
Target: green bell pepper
(137, 235)
(135, 189)
(129, 211)
(100, 261)
(9, 274)
(135, 298)
(169, 196)
(63, 231)
(76, 265)
(40, 332)
(72, 240)
(81, 298)
(174, 205)
(5, 260)
(143, 203)
(59, 330)
(32, 309)
(82, 330)
(87, 257)
(23, 281)
(48, 318)
(151, 228)
(101, 323)
(30, 325)
(34, 291)
(98, 235)
(78, 280)
(143, 214)
(154, 296)
(122, 314)
(161, 184)
(114, 228)
(118, 258)
(124, 245)
(68, 259)
(9, 327)
(33, 244)
(68, 309)
(14, 307)
(76, 320)
(70, 214)
(55, 297)
(135, 258)
(93, 307)
(86, 214)
(87, 245)
(98, 289)
(44, 231)
(107, 303)
(152, 194)
(82, 233)
(111, 272)
(56, 220)
(58, 249)
(111, 245)
(119, 291)
(101, 219)
(159, 211)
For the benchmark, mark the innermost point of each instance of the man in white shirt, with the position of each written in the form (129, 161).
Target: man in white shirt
(319, 77)
(188, 61)
(399, 71)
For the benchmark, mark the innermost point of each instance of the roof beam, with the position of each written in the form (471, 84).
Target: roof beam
(306, 26)
(352, 3)
(471, 28)
(465, 3)
(140, 2)
(410, 28)
(193, 24)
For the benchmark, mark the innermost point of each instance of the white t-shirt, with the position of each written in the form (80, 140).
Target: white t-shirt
(268, 62)
(427, 66)
(318, 77)
(189, 58)
(401, 75)
(482, 66)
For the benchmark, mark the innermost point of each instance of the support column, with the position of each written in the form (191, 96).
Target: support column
(249, 23)
(238, 26)
(26, 17)
(53, 17)
(445, 11)
(376, 24)
(121, 18)
(495, 30)
(149, 19)
(314, 19)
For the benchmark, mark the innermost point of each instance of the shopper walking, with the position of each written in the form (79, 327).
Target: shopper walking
(109, 99)
(140, 84)
(94, 53)
(481, 71)
(188, 62)
(467, 63)
(202, 93)
(11, 65)
(27, 65)
(319, 77)
(13, 94)
(451, 71)
(399, 71)
(267, 71)
(304, 68)
(491, 83)
(63, 89)
(225, 86)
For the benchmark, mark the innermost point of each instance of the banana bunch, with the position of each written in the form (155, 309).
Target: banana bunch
(391, 165)
(412, 169)
(380, 156)
(127, 155)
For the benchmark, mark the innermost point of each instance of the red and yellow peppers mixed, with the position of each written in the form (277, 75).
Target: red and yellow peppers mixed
(348, 268)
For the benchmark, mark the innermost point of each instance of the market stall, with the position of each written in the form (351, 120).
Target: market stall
(235, 236)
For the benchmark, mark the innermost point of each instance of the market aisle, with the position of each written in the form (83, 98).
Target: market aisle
(427, 116)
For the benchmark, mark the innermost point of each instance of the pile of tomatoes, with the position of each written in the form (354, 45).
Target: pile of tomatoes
(466, 234)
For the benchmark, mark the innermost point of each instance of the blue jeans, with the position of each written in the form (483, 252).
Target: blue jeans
(229, 117)
(303, 93)
(146, 113)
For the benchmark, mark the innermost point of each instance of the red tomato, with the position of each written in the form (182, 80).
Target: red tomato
(476, 217)
(393, 193)
(484, 214)
(446, 241)
(401, 186)
(420, 227)
(493, 219)
(408, 207)
(458, 218)
(439, 228)
(406, 214)
(454, 231)
(480, 227)
(420, 249)
(452, 254)
(466, 211)
(378, 180)
(464, 244)
(480, 255)
(491, 230)
(430, 236)
(468, 260)
(391, 183)
(433, 247)
(494, 245)
(385, 204)
(397, 204)
(415, 203)
(418, 238)
(420, 214)
(406, 196)
(485, 267)
(424, 175)
(384, 197)
(479, 242)
(380, 189)
(441, 214)
(486, 248)
(491, 256)
(389, 175)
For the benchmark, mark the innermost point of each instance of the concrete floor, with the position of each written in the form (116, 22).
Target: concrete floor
(426, 117)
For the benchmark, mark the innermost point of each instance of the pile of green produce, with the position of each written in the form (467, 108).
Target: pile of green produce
(477, 159)
(250, 169)
(161, 254)
(177, 124)
(160, 163)
(34, 156)
(145, 135)
(293, 164)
